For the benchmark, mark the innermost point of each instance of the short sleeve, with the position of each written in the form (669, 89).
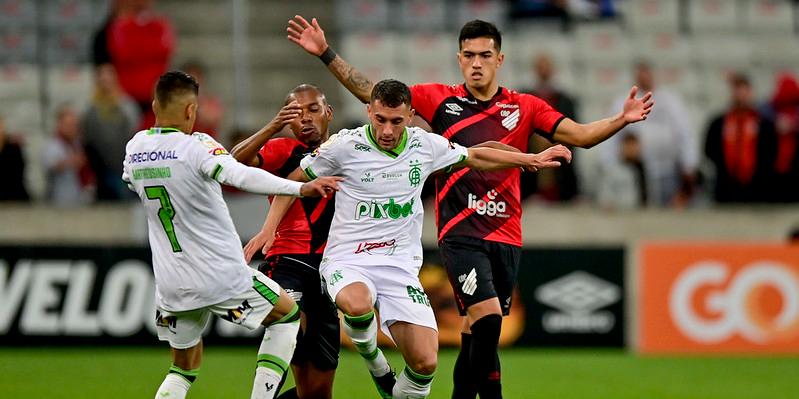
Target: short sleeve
(445, 153)
(324, 161)
(274, 154)
(545, 119)
(425, 99)
(209, 156)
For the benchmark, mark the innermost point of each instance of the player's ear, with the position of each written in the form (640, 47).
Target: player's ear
(329, 113)
(191, 110)
(411, 114)
(154, 105)
(500, 59)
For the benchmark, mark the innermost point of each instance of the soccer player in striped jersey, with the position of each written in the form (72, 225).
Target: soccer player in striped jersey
(293, 246)
(479, 213)
(197, 257)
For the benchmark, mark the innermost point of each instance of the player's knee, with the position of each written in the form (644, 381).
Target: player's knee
(316, 390)
(354, 305)
(424, 364)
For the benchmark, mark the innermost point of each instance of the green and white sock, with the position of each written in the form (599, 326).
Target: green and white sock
(412, 385)
(363, 332)
(274, 355)
(176, 383)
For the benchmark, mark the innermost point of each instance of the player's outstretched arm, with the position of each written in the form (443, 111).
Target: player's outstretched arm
(486, 158)
(277, 210)
(590, 134)
(311, 37)
(229, 171)
(246, 152)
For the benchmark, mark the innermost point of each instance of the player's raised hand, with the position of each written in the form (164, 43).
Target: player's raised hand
(261, 242)
(308, 35)
(320, 186)
(549, 158)
(637, 109)
(288, 113)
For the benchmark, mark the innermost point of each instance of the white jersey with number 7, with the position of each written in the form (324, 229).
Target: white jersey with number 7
(197, 254)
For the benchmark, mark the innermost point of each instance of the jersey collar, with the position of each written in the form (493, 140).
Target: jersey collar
(396, 151)
(486, 103)
(162, 130)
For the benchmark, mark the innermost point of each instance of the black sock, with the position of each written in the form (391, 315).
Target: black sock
(289, 394)
(464, 386)
(484, 358)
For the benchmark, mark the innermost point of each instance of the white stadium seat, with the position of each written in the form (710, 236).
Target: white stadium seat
(730, 51)
(663, 48)
(646, 15)
(18, 13)
(357, 15)
(19, 82)
(69, 13)
(775, 50)
(69, 84)
(712, 15)
(423, 15)
(466, 10)
(603, 44)
(18, 45)
(768, 16)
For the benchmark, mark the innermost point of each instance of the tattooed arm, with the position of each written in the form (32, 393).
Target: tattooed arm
(311, 37)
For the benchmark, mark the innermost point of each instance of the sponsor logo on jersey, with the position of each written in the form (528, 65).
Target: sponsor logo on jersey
(362, 147)
(466, 100)
(453, 109)
(218, 151)
(415, 143)
(507, 106)
(377, 248)
(367, 178)
(578, 296)
(391, 176)
(417, 295)
(469, 282)
(152, 156)
(152, 173)
(511, 120)
(489, 206)
(386, 210)
(415, 174)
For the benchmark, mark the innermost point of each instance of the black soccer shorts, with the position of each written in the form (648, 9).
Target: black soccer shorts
(480, 270)
(299, 276)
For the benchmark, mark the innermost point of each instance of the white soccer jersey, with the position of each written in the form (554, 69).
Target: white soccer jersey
(197, 255)
(378, 216)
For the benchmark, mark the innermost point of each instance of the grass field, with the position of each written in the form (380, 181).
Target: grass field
(227, 372)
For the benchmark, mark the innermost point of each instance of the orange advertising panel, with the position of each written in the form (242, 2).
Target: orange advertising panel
(716, 298)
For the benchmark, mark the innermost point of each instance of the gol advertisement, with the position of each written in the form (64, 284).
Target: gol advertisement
(718, 298)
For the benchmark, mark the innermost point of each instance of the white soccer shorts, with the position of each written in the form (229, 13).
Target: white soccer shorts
(184, 330)
(397, 293)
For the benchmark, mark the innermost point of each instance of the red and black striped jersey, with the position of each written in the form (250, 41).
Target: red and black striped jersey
(484, 205)
(304, 228)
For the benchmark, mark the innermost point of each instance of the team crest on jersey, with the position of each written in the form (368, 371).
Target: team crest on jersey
(511, 119)
(415, 174)
(453, 109)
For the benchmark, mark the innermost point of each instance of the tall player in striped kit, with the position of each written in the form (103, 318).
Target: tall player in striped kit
(479, 213)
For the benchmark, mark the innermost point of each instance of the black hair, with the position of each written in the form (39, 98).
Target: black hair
(391, 93)
(174, 83)
(478, 28)
(304, 87)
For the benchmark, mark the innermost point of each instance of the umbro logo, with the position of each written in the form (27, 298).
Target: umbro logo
(469, 282)
(453, 109)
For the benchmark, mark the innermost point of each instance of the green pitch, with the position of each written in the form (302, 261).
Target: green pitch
(227, 373)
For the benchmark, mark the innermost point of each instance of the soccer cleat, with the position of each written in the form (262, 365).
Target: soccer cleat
(385, 384)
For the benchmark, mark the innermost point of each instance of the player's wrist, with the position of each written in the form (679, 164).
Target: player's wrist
(327, 56)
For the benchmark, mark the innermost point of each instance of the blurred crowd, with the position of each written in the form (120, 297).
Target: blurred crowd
(749, 153)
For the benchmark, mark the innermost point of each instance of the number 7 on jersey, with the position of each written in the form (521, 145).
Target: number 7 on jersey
(165, 213)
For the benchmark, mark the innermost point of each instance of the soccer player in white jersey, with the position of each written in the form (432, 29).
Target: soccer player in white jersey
(197, 257)
(374, 251)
